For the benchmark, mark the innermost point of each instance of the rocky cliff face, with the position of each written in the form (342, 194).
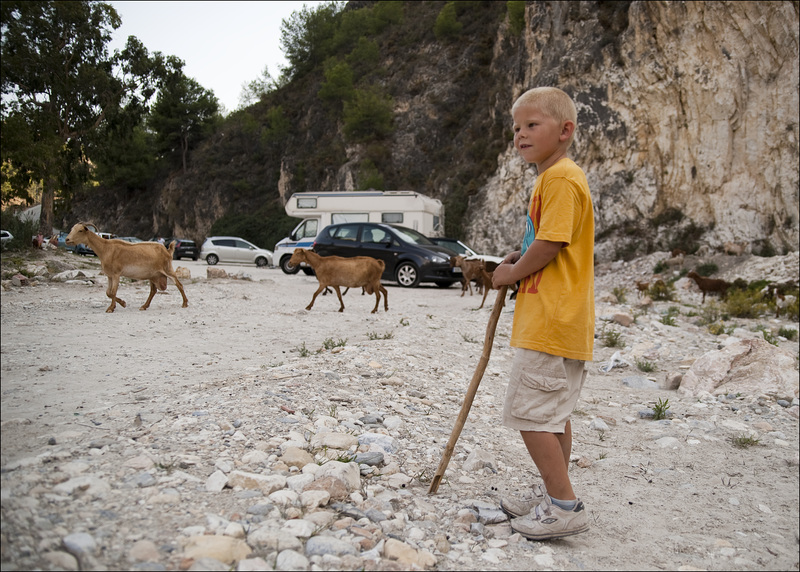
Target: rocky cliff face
(692, 106)
(688, 128)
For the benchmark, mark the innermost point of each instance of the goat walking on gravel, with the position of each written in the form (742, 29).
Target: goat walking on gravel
(140, 261)
(336, 271)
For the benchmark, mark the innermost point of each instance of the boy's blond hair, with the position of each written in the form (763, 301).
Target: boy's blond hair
(553, 102)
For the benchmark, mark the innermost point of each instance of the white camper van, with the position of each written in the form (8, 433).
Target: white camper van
(318, 210)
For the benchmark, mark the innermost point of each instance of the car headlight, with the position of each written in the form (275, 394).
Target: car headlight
(438, 259)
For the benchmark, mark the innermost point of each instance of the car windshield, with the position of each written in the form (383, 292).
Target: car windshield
(455, 246)
(411, 236)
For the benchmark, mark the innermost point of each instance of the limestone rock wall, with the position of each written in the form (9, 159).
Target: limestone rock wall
(691, 105)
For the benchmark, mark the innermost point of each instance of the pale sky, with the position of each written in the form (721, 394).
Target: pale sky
(223, 44)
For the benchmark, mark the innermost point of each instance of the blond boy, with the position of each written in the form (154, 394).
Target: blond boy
(553, 327)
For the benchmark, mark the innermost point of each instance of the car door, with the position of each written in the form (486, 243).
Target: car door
(379, 243)
(244, 251)
(344, 240)
(226, 248)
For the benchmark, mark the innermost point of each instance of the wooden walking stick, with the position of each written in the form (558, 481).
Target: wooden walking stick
(499, 302)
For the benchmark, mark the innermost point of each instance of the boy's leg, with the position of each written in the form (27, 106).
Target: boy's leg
(548, 454)
(565, 440)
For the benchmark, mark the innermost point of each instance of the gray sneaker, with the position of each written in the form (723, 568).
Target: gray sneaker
(521, 506)
(547, 521)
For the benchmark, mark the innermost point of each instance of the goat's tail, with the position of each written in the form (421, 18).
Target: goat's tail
(172, 247)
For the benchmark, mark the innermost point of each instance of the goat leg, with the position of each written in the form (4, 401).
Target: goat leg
(320, 289)
(180, 289)
(111, 292)
(153, 287)
(472, 390)
(339, 294)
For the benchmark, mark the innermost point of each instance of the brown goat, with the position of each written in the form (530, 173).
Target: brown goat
(709, 285)
(335, 271)
(140, 261)
(642, 288)
(470, 270)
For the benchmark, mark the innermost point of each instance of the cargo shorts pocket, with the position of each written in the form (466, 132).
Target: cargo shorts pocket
(539, 393)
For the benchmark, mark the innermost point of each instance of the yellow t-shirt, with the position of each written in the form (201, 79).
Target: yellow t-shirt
(554, 311)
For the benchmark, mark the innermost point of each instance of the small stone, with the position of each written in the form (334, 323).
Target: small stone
(226, 549)
(291, 560)
(143, 551)
(216, 482)
(321, 545)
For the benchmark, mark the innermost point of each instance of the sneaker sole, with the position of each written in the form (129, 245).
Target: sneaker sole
(553, 536)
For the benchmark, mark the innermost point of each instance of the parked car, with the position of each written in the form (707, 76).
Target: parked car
(184, 248)
(410, 256)
(462, 249)
(5, 237)
(234, 249)
(84, 250)
(131, 239)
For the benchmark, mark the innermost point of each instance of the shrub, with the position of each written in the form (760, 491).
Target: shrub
(368, 116)
(707, 269)
(22, 230)
(744, 303)
(516, 15)
(447, 26)
(619, 294)
(660, 267)
(662, 291)
(788, 333)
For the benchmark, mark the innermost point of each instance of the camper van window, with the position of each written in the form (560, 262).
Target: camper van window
(392, 218)
(308, 230)
(436, 223)
(337, 218)
(306, 203)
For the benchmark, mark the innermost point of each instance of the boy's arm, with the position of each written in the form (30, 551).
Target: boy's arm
(538, 255)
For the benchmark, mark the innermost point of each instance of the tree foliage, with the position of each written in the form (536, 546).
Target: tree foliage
(183, 112)
(447, 26)
(368, 116)
(59, 84)
(307, 35)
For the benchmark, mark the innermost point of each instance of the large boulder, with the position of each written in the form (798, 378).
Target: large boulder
(750, 366)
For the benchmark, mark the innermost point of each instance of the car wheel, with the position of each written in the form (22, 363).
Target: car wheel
(443, 284)
(288, 268)
(308, 271)
(194, 258)
(212, 259)
(407, 275)
(261, 262)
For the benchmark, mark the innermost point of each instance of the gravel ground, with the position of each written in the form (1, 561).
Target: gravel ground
(173, 438)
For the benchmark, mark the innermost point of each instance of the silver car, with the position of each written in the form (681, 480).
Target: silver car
(234, 249)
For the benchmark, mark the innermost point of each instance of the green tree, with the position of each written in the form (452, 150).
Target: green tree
(338, 85)
(516, 15)
(58, 84)
(183, 113)
(307, 35)
(447, 25)
(368, 116)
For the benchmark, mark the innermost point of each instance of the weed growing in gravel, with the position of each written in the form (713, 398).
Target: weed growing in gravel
(707, 269)
(644, 365)
(377, 336)
(668, 319)
(329, 344)
(788, 333)
(660, 409)
(611, 339)
(768, 336)
(744, 441)
(619, 294)
(404, 321)
(745, 303)
(303, 350)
